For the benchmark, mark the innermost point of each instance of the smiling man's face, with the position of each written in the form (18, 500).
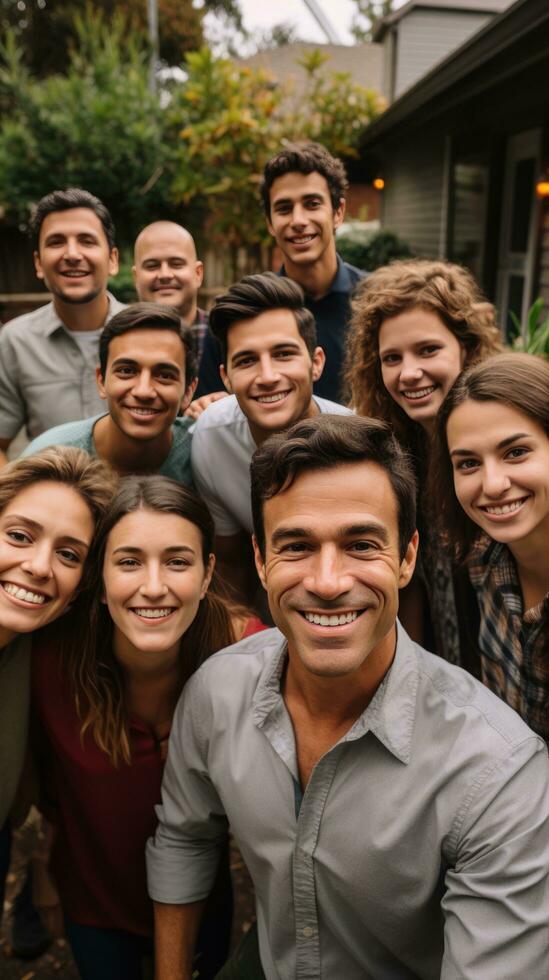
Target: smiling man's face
(73, 258)
(271, 371)
(144, 384)
(332, 567)
(302, 219)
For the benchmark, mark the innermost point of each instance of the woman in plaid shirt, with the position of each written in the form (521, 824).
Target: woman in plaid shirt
(491, 474)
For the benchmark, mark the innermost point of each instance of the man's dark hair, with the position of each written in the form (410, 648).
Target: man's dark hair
(72, 197)
(322, 443)
(257, 294)
(149, 316)
(305, 158)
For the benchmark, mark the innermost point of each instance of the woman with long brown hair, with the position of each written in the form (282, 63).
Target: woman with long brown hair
(49, 506)
(416, 324)
(106, 703)
(490, 470)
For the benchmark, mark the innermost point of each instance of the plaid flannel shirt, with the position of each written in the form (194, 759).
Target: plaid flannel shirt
(514, 645)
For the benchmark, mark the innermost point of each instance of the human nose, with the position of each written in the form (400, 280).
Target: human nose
(72, 249)
(495, 481)
(165, 272)
(143, 386)
(39, 563)
(299, 216)
(327, 577)
(268, 371)
(153, 585)
(410, 370)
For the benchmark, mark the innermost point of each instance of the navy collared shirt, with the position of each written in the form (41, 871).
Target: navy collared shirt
(332, 314)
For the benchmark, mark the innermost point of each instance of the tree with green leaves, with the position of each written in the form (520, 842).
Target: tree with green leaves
(367, 17)
(46, 29)
(194, 151)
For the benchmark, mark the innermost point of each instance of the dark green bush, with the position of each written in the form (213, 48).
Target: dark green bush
(369, 251)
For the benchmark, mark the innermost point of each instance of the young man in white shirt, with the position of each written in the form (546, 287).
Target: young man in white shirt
(270, 362)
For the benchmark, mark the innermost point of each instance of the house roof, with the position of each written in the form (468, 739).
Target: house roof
(364, 62)
(500, 34)
(460, 6)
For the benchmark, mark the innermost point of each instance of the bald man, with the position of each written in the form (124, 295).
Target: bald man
(167, 271)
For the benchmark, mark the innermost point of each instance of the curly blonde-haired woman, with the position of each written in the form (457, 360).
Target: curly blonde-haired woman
(415, 325)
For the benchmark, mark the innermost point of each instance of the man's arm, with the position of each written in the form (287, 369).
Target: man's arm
(175, 932)
(183, 856)
(13, 413)
(496, 905)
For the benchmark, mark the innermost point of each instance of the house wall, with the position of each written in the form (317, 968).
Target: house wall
(413, 196)
(425, 37)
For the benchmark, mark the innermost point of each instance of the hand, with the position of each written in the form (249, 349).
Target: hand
(196, 408)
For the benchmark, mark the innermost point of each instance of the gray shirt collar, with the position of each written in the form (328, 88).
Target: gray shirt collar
(389, 716)
(53, 323)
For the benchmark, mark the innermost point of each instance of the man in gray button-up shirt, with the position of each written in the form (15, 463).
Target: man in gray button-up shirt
(48, 357)
(393, 813)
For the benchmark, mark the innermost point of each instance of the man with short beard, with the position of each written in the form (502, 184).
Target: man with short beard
(48, 357)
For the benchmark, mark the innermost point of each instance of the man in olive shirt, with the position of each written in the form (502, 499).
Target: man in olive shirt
(48, 357)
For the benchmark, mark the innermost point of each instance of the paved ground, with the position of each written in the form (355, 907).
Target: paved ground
(57, 962)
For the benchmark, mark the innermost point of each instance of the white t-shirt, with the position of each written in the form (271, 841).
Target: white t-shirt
(222, 449)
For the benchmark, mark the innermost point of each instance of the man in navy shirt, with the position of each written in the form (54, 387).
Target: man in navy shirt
(303, 194)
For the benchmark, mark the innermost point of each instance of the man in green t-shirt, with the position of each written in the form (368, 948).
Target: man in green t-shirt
(147, 375)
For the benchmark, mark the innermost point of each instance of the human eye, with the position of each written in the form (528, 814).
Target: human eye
(88, 241)
(166, 376)
(284, 355)
(178, 563)
(295, 548)
(390, 358)
(70, 556)
(243, 362)
(129, 563)
(517, 452)
(125, 370)
(19, 537)
(465, 465)
(429, 349)
(363, 547)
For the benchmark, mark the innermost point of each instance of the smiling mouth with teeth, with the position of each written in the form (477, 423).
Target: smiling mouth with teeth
(277, 396)
(418, 392)
(499, 510)
(18, 592)
(153, 612)
(332, 619)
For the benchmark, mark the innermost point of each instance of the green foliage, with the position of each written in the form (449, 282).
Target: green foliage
(534, 339)
(369, 250)
(194, 152)
(122, 285)
(46, 28)
(333, 110)
(368, 15)
(97, 126)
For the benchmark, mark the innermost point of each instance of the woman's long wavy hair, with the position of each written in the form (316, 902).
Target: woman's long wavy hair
(440, 287)
(520, 381)
(88, 657)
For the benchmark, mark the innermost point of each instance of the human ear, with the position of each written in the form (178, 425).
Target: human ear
(319, 360)
(188, 396)
(208, 576)
(225, 379)
(408, 563)
(100, 382)
(259, 562)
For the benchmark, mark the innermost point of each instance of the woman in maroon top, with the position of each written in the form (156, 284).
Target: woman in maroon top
(105, 700)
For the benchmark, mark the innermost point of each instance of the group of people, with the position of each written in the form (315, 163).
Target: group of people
(271, 483)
